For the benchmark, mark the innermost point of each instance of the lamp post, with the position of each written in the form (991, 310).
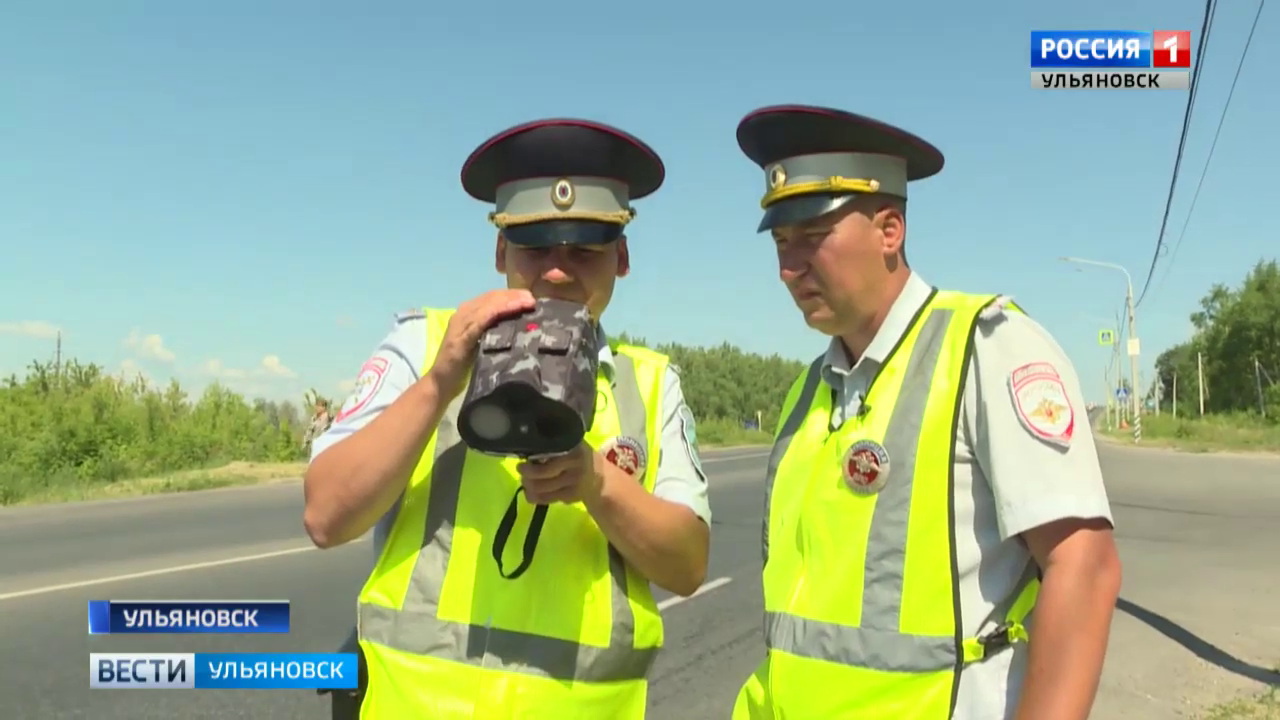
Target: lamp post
(1132, 346)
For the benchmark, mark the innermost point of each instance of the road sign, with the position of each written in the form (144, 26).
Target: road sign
(1134, 347)
(1106, 337)
(1121, 393)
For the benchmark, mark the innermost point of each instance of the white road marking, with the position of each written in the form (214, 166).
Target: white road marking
(706, 588)
(158, 571)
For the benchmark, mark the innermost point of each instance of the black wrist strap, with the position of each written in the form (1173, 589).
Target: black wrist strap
(530, 539)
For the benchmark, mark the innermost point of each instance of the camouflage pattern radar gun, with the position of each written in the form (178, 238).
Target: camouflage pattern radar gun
(533, 386)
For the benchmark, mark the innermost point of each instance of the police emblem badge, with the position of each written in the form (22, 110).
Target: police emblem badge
(370, 378)
(866, 467)
(627, 454)
(1042, 404)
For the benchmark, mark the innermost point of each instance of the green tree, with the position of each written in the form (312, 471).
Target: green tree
(1237, 339)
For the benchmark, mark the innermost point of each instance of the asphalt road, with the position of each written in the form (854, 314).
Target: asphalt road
(1198, 534)
(249, 543)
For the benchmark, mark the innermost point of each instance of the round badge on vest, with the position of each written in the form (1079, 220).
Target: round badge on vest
(866, 467)
(627, 454)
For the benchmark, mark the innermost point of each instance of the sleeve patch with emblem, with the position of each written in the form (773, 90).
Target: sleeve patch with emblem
(371, 376)
(1041, 402)
(690, 430)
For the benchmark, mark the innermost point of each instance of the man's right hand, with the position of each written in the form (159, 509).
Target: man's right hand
(458, 348)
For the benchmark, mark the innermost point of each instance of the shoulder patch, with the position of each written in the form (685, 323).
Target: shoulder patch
(996, 308)
(689, 428)
(1041, 403)
(371, 376)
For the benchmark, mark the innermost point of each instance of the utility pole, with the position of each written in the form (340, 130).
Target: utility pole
(1200, 379)
(1175, 395)
(57, 354)
(1132, 345)
(1257, 381)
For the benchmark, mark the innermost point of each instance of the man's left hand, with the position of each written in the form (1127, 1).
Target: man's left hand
(577, 476)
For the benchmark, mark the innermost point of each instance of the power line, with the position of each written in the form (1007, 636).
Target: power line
(1217, 133)
(1210, 8)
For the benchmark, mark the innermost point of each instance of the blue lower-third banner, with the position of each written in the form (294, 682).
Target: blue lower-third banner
(223, 671)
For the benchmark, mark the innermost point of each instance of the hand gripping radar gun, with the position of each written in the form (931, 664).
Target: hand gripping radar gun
(532, 395)
(533, 386)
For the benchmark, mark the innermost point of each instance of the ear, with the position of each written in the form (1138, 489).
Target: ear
(624, 257)
(500, 255)
(893, 228)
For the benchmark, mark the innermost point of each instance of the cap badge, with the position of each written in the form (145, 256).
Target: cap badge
(866, 467)
(777, 177)
(562, 194)
(626, 454)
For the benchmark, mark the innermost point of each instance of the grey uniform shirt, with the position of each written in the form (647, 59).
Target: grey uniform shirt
(1007, 479)
(399, 359)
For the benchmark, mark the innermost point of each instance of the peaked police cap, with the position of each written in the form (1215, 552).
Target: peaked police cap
(816, 160)
(562, 181)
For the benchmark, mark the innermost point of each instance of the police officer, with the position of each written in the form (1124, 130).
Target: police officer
(443, 631)
(933, 478)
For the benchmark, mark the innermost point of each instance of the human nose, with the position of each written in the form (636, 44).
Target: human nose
(792, 263)
(556, 267)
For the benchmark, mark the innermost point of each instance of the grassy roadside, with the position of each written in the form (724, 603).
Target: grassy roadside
(1265, 706)
(711, 435)
(1211, 433)
(233, 474)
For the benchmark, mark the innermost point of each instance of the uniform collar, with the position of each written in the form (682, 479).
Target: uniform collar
(913, 296)
(604, 353)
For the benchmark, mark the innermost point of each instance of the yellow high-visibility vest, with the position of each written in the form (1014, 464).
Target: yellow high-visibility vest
(446, 636)
(861, 598)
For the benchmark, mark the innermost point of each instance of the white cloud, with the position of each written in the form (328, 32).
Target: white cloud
(215, 368)
(30, 328)
(272, 366)
(130, 371)
(346, 387)
(345, 321)
(149, 347)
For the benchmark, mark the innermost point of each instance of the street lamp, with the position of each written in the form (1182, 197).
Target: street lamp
(1133, 345)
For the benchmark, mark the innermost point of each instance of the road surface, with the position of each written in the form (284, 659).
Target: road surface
(1199, 537)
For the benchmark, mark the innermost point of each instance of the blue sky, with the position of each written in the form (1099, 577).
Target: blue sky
(250, 190)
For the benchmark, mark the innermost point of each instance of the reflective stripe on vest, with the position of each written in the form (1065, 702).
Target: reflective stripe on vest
(931, 381)
(415, 627)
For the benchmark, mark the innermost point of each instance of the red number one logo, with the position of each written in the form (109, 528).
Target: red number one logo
(1171, 49)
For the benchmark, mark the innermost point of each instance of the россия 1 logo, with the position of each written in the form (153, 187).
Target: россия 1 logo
(1111, 59)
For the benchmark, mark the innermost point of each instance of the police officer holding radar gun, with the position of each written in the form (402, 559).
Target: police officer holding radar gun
(527, 480)
(938, 541)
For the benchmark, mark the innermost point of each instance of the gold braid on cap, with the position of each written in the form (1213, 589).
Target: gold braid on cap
(618, 217)
(833, 184)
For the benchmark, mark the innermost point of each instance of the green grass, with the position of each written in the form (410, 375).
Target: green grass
(1265, 706)
(1210, 433)
(232, 474)
(712, 434)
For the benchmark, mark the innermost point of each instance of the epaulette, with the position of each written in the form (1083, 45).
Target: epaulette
(411, 314)
(996, 308)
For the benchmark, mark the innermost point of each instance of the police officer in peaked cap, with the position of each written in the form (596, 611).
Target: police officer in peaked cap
(444, 631)
(938, 541)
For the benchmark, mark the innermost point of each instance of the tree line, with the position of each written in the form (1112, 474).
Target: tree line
(74, 422)
(1236, 345)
